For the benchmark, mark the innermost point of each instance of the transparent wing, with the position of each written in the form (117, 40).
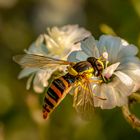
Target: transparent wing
(37, 61)
(83, 100)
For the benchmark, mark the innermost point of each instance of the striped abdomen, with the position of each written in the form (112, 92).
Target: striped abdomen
(56, 92)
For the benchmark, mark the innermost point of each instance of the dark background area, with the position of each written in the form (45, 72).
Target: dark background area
(21, 21)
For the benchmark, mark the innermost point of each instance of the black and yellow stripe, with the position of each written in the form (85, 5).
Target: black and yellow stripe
(55, 93)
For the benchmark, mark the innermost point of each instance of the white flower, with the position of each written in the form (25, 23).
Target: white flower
(58, 43)
(123, 69)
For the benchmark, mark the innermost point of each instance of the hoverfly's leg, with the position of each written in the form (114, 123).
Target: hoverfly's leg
(90, 88)
(106, 63)
(101, 98)
(99, 81)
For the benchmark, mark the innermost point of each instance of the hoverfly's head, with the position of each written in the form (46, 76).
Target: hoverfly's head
(97, 64)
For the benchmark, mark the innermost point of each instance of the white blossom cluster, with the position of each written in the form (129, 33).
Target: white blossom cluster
(57, 43)
(122, 71)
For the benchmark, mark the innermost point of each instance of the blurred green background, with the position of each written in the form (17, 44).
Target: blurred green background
(21, 21)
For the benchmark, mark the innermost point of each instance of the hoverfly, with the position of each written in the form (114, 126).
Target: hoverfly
(77, 79)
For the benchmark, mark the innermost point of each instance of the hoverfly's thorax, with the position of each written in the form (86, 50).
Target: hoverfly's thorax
(83, 67)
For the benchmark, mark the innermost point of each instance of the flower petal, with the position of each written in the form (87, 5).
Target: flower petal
(72, 57)
(129, 66)
(51, 43)
(38, 47)
(75, 47)
(129, 59)
(81, 56)
(124, 42)
(29, 82)
(124, 78)
(129, 50)
(37, 85)
(110, 70)
(60, 40)
(75, 33)
(111, 45)
(122, 91)
(26, 72)
(89, 47)
(135, 76)
(115, 92)
(108, 93)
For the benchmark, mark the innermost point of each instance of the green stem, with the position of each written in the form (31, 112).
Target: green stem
(131, 118)
(135, 97)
